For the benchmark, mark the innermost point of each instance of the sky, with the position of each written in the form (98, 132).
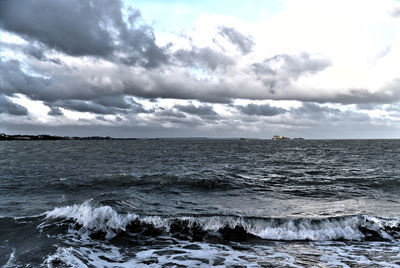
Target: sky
(200, 68)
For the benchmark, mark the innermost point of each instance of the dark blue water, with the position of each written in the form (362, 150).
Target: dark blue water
(189, 203)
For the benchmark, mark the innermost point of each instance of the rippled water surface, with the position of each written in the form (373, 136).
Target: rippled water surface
(179, 202)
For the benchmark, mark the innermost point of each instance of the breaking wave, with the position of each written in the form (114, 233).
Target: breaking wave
(104, 222)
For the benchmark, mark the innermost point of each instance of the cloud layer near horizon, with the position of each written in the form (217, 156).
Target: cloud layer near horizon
(98, 63)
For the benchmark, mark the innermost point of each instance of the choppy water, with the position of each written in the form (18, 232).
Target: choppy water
(251, 203)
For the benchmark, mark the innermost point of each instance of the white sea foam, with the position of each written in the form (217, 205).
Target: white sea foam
(11, 260)
(346, 228)
(218, 255)
(110, 256)
(373, 254)
(66, 256)
(199, 254)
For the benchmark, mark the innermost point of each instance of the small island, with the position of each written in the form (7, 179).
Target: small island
(277, 137)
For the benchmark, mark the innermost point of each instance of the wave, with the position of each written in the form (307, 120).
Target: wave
(104, 222)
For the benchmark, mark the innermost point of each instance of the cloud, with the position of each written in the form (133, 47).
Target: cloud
(9, 107)
(90, 81)
(314, 113)
(86, 106)
(245, 44)
(313, 108)
(203, 57)
(169, 113)
(115, 101)
(101, 118)
(62, 83)
(85, 28)
(32, 49)
(55, 111)
(389, 93)
(280, 70)
(73, 27)
(103, 106)
(203, 111)
(108, 84)
(368, 106)
(291, 66)
(263, 110)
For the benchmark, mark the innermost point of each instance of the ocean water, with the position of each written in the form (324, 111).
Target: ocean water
(200, 202)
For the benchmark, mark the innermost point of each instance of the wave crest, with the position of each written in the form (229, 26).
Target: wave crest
(91, 220)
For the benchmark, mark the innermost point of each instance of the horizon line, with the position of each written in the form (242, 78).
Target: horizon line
(93, 137)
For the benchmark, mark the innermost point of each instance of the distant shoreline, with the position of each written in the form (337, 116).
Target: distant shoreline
(45, 137)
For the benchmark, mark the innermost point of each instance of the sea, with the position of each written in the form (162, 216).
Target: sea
(200, 203)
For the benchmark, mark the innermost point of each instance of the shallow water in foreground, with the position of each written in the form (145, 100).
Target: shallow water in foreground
(180, 202)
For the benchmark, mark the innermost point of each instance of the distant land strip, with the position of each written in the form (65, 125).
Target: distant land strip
(4, 137)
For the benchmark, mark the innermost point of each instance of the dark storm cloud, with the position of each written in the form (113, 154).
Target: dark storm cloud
(38, 52)
(290, 66)
(170, 113)
(389, 93)
(201, 110)
(84, 28)
(263, 110)
(9, 107)
(203, 57)
(185, 123)
(35, 50)
(245, 44)
(313, 108)
(315, 114)
(101, 118)
(177, 85)
(70, 26)
(55, 111)
(85, 106)
(102, 106)
(171, 117)
(121, 103)
(117, 101)
(64, 84)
